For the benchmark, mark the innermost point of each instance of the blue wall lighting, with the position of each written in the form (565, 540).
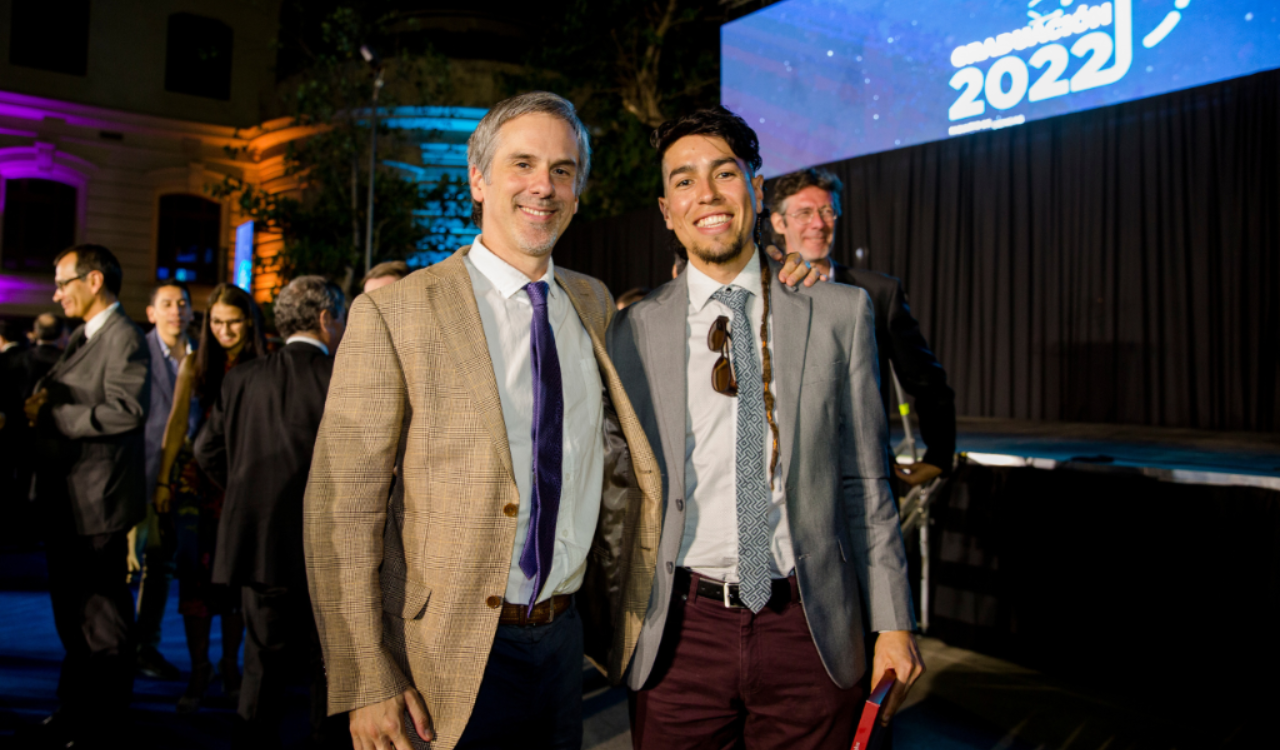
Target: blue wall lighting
(242, 275)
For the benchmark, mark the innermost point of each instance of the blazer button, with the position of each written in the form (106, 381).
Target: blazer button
(511, 509)
(494, 602)
(680, 504)
(671, 567)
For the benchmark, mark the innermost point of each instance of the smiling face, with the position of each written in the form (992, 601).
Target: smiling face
(710, 199)
(170, 312)
(809, 235)
(229, 326)
(529, 195)
(77, 295)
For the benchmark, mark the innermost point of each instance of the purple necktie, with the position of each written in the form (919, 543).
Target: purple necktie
(548, 444)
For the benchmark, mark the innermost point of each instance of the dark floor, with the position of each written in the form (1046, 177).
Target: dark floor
(966, 701)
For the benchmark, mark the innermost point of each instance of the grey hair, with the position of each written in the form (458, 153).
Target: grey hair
(482, 146)
(299, 304)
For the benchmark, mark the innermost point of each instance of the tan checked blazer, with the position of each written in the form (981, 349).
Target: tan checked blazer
(407, 575)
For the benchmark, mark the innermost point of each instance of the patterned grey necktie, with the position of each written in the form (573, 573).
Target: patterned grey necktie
(752, 488)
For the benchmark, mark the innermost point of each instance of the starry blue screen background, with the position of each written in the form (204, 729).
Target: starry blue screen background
(823, 80)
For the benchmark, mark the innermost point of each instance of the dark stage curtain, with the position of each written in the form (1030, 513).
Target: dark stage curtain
(1116, 265)
(1154, 592)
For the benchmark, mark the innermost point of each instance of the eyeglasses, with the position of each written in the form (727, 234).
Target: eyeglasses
(63, 284)
(722, 379)
(805, 215)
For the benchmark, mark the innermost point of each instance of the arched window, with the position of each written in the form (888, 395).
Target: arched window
(187, 247)
(39, 223)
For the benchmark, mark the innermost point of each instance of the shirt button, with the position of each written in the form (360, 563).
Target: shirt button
(494, 602)
(671, 567)
(680, 504)
(511, 509)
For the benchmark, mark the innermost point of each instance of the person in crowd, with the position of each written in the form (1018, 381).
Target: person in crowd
(632, 296)
(804, 208)
(383, 274)
(153, 541)
(258, 444)
(484, 377)
(781, 548)
(89, 413)
(48, 339)
(232, 334)
(12, 382)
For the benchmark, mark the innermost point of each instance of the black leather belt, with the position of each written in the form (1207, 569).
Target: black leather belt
(784, 590)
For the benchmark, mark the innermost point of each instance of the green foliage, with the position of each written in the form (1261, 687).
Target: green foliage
(628, 65)
(323, 224)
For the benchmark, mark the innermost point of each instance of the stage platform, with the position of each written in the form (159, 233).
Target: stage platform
(1185, 456)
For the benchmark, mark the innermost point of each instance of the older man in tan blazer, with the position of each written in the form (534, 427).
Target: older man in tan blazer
(428, 495)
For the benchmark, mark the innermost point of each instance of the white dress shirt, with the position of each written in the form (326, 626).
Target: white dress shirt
(710, 544)
(95, 324)
(308, 339)
(506, 312)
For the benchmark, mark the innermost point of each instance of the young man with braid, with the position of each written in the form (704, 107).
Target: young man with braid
(780, 548)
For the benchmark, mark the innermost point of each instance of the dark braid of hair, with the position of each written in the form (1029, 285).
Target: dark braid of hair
(765, 279)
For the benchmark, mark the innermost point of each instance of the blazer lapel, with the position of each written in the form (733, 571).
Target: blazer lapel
(791, 313)
(662, 333)
(458, 316)
(591, 320)
(67, 362)
(161, 377)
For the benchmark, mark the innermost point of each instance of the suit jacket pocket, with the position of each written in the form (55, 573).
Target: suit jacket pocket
(405, 598)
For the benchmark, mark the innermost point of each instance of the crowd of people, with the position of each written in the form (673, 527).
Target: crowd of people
(431, 504)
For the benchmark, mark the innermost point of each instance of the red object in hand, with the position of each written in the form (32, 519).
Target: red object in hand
(869, 730)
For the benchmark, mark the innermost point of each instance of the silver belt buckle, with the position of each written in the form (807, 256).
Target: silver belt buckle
(725, 588)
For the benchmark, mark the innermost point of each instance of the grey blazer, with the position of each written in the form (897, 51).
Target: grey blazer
(850, 562)
(91, 470)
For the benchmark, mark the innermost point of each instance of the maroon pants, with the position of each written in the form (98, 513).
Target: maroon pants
(727, 678)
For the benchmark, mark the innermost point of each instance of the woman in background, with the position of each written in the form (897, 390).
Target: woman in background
(232, 333)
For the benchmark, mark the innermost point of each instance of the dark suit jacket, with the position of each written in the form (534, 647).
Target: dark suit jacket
(91, 471)
(13, 381)
(258, 443)
(37, 361)
(162, 384)
(899, 340)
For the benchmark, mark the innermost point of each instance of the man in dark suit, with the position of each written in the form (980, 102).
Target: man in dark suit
(47, 343)
(48, 337)
(258, 444)
(154, 540)
(88, 413)
(804, 207)
(12, 382)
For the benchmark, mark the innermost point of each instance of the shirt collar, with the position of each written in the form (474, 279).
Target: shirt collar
(164, 348)
(504, 276)
(702, 286)
(95, 324)
(308, 340)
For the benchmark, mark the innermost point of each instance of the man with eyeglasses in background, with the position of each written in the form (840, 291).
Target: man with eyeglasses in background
(804, 207)
(88, 413)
